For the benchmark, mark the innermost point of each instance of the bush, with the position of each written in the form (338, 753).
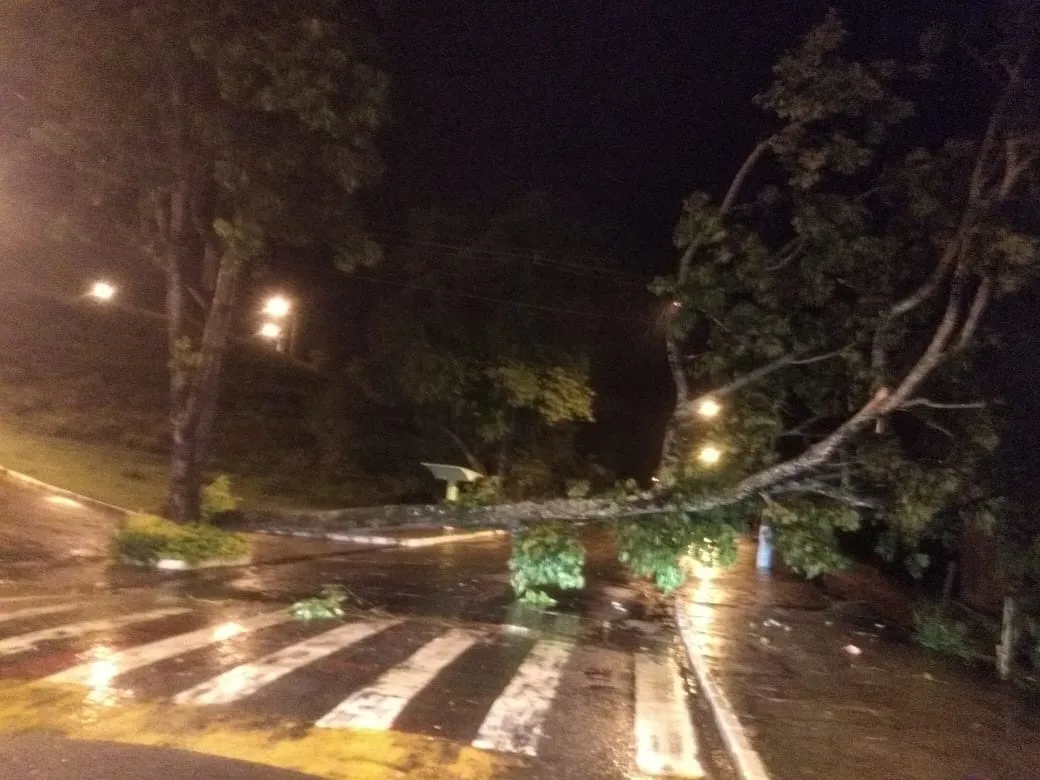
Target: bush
(655, 546)
(484, 492)
(217, 498)
(545, 555)
(148, 538)
(805, 534)
(937, 630)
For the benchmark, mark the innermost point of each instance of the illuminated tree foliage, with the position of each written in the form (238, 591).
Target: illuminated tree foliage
(832, 300)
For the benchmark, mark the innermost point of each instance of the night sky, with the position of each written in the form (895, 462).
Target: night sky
(623, 107)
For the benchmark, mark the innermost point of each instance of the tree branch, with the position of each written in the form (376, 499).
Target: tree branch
(958, 243)
(787, 254)
(978, 307)
(821, 488)
(942, 405)
(882, 403)
(817, 358)
(800, 429)
(738, 181)
(764, 370)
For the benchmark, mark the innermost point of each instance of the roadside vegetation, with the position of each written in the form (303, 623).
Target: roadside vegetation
(146, 539)
(83, 405)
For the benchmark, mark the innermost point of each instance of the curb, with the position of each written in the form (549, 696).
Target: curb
(415, 541)
(37, 484)
(386, 541)
(747, 761)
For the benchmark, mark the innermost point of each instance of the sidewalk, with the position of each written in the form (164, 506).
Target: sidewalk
(776, 648)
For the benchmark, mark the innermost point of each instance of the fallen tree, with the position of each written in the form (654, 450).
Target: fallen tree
(831, 307)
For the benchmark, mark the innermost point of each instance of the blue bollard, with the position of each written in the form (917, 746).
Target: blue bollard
(764, 557)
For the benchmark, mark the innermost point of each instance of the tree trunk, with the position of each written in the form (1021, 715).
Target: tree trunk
(214, 348)
(183, 491)
(185, 478)
(502, 461)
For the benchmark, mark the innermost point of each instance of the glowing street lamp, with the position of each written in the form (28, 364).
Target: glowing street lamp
(271, 331)
(709, 455)
(102, 291)
(708, 408)
(277, 307)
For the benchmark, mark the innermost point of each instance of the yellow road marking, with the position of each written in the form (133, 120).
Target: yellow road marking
(334, 754)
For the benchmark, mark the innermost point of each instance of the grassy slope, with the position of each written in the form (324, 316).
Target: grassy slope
(83, 406)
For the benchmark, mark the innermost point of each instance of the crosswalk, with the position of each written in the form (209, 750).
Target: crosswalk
(382, 668)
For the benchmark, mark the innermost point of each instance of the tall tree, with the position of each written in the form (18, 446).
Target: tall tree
(832, 298)
(201, 135)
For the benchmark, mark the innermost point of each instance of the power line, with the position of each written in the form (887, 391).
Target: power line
(506, 254)
(501, 301)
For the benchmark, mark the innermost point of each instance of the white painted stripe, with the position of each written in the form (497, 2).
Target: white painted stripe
(18, 644)
(514, 722)
(35, 611)
(378, 705)
(247, 679)
(665, 740)
(134, 658)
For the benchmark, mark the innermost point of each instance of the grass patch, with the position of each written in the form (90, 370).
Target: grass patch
(133, 480)
(137, 480)
(84, 405)
(149, 538)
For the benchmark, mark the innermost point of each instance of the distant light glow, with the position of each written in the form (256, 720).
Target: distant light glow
(102, 291)
(270, 330)
(708, 408)
(704, 571)
(277, 306)
(64, 501)
(227, 631)
(709, 455)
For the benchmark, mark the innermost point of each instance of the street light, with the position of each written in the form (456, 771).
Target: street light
(271, 331)
(280, 311)
(708, 408)
(709, 455)
(102, 291)
(277, 306)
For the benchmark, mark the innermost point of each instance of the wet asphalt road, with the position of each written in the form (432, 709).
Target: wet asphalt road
(433, 654)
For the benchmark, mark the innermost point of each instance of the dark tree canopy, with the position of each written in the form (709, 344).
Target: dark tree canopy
(198, 136)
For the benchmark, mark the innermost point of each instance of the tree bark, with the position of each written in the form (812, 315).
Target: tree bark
(206, 394)
(184, 484)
